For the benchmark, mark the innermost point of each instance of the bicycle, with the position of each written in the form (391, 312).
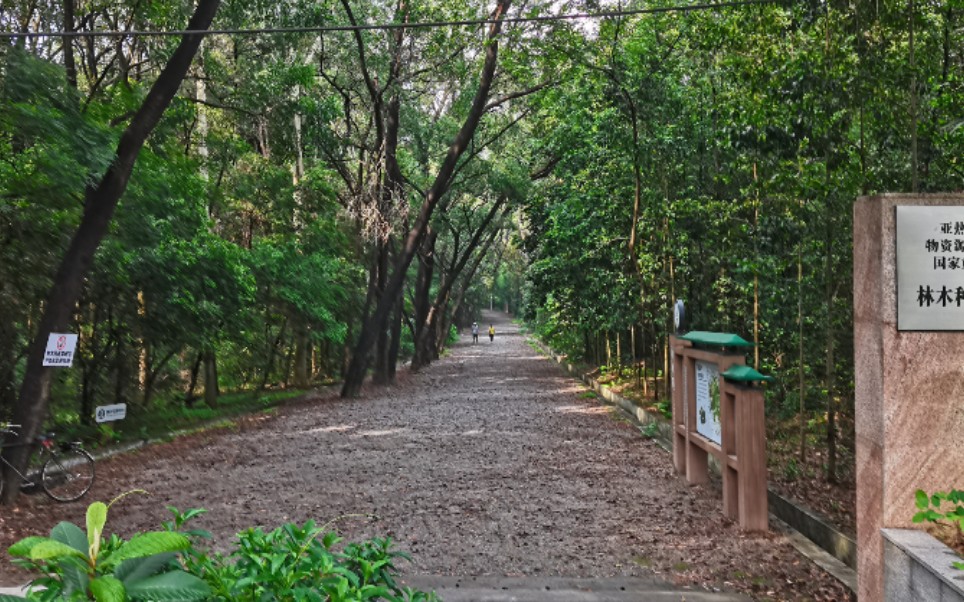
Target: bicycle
(66, 475)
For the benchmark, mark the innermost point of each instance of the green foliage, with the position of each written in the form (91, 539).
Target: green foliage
(290, 563)
(650, 430)
(295, 563)
(929, 509)
(791, 471)
(665, 407)
(89, 566)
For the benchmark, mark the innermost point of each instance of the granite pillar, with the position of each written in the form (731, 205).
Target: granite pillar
(909, 392)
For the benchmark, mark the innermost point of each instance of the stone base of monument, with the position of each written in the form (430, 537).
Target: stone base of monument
(918, 567)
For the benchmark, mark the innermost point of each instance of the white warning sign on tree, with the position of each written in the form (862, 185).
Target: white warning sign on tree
(60, 350)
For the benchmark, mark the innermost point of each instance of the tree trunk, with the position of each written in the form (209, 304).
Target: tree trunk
(99, 204)
(914, 100)
(460, 295)
(429, 338)
(302, 355)
(8, 362)
(144, 353)
(189, 395)
(756, 276)
(359, 361)
(423, 307)
(210, 379)
(152, 375)
(120, 371)
(380, 375)
(289, 361)
(830, 369)
(619, 350)
(396, 345)
(803, 405)
(70, 65)
(273, 354)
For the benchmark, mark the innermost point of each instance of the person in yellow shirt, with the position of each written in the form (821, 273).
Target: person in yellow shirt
(491, 333)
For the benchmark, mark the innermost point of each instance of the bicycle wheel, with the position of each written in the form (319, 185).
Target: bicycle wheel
(69, 475)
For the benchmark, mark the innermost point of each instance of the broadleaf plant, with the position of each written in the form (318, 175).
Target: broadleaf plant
(291, 563)
(79, 566)
(929, 509)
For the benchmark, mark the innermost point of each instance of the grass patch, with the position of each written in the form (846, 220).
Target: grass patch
(158, 420)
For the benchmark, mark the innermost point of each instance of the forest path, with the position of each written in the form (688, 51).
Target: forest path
(490, 463)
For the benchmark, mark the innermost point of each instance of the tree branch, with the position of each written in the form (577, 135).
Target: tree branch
(520, 94)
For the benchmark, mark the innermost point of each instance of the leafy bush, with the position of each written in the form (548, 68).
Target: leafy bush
(291, 563)
(84, 566)
(929, 510)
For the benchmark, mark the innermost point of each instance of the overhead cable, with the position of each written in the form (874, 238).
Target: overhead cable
(387, 26)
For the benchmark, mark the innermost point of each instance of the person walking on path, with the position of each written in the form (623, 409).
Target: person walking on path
(491, 333)
(475, 332)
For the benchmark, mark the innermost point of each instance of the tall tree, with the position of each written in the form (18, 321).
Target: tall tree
(99, 204)
(360, 360)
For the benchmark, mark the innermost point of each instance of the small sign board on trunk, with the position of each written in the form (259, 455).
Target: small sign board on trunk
(60, 350)
(118, 411)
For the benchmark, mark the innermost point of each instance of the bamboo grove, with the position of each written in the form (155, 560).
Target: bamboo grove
(277, 209)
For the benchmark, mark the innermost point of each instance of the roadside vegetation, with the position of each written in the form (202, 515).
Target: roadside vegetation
(292, 562)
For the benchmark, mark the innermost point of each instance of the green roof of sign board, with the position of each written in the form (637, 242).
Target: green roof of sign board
(745, 374)
(718, 339)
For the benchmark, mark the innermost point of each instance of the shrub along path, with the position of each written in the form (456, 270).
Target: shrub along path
(490, 463)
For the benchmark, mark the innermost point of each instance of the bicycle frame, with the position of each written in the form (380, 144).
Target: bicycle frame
(41, 442)
(60, 472)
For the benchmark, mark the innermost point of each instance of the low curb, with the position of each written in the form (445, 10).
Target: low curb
(561, 589)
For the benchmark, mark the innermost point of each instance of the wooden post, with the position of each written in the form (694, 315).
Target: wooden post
(679, 405)
(751, 460)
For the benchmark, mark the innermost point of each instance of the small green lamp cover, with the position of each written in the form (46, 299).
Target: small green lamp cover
(746, 374)
(716, 339)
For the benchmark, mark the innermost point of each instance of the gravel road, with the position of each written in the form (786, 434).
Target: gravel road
(490, 462)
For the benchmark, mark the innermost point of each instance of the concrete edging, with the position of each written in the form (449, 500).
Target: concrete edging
(841, 549)
(918, 567)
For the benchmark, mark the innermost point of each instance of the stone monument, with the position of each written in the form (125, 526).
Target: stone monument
(909, 363)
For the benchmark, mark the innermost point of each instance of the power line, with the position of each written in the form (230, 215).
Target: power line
(386, 26)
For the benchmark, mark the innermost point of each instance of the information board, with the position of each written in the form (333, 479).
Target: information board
(930, 268)
(708, 401)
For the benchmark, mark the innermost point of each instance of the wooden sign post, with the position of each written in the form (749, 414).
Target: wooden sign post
(718, 411)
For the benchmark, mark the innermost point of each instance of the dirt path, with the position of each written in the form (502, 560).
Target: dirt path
(490, 462)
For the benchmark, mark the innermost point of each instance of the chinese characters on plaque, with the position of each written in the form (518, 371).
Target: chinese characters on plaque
(930, 268)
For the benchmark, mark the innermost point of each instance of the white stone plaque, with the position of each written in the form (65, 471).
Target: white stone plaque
(930, 268)
(708, 401)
